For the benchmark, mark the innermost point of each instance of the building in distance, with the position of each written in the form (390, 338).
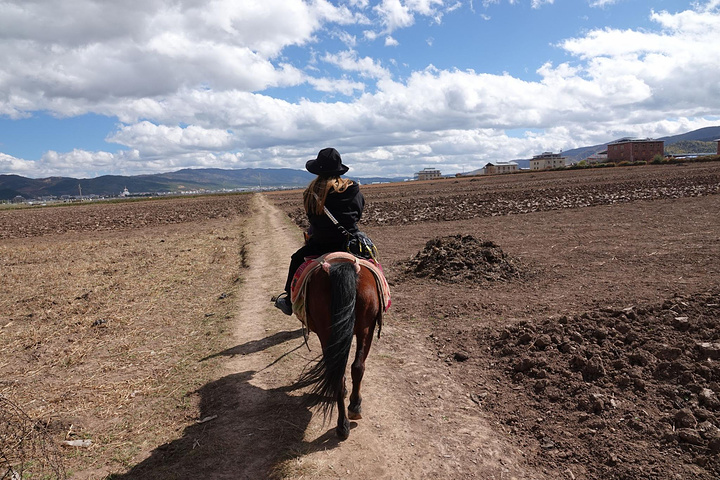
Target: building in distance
(635, 150)
(428, 174)
(547, 160)
(598, 157)
(498, 168)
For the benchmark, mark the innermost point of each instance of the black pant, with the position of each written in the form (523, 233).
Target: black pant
(308, 250)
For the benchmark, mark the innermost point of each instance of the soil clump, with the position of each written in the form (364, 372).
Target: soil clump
(463, 258)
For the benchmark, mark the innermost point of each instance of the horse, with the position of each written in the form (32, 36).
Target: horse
(340, 303)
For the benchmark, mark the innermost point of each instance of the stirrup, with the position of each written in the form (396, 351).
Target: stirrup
(283, 303)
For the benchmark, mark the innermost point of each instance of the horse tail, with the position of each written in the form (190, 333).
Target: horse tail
(327, 375)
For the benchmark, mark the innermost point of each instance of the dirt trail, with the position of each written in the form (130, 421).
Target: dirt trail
(417, 421)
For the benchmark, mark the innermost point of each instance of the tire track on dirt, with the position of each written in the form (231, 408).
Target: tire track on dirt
(417, 421)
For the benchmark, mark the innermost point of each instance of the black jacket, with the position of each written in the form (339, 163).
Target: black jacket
(346, 207)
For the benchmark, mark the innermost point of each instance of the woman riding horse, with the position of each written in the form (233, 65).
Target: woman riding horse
(343, 298)
(343, 199)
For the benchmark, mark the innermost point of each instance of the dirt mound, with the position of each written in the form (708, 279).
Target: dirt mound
(615, 392)
(462, 258)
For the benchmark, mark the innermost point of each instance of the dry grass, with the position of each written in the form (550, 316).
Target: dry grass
(103, 333)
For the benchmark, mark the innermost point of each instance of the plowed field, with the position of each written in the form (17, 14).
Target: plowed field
(543, 325)
(600, 360)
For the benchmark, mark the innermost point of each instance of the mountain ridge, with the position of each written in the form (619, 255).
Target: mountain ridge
(180, 181)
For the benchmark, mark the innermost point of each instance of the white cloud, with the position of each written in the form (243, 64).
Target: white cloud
(348, 60)
(394, 15)
(602, 3)
(84, 164)
(336, 85)
(678, 66)
(540, 3)
(80, 52)
(709, 5)
(153, 139)
(346, 38)
(189, 84)
(17, 166)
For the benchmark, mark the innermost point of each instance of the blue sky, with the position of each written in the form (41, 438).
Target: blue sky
(94, 87)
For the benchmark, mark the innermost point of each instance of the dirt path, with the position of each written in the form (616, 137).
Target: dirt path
(417, 420)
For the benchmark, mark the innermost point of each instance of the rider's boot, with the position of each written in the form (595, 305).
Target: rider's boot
(283, 302)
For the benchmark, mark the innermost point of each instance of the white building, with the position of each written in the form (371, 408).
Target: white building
(547, 160)
(428, 174)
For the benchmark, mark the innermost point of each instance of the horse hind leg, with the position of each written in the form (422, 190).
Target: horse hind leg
(355, 406)
(364, 341)
(343, 425)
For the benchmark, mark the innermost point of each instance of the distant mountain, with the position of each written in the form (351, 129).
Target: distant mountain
(690, 146)
(187, 180)
(707, 134)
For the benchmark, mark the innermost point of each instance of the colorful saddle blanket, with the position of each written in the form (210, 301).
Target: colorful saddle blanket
(303, 274)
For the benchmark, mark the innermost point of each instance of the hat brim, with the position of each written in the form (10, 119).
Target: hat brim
(313, 167)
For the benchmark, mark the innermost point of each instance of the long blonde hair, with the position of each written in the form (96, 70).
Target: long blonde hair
(321, 187)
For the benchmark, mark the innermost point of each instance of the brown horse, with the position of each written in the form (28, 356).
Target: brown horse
(340, 303)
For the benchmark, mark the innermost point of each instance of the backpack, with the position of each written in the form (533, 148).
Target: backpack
(361, 246)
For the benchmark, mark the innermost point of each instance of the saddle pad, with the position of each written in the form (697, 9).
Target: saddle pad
(303, 274)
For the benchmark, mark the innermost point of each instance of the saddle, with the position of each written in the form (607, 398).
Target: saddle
(305, 271)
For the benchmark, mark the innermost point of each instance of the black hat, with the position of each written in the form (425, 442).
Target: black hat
(327, 164)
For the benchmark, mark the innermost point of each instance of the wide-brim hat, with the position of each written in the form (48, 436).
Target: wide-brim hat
(327, 164)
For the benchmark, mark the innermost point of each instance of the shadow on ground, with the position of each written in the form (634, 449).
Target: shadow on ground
(254, 432)
(258, 345)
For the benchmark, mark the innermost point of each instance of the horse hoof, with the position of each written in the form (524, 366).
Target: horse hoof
(343, 432)
(355, 413)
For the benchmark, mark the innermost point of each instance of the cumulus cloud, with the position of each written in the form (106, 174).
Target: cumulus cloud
(17, 166)
(343, 86)
(394, 15)
(82, 51)
(77, 163)
(195, 85)
(350, 61)
(153, 139)
(397, 14)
